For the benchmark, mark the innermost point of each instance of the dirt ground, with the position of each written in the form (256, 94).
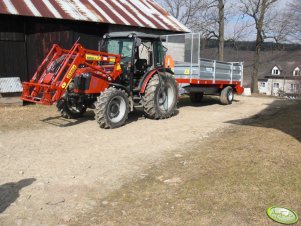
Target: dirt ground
(208, 165)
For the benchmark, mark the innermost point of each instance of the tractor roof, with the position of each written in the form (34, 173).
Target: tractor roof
(138, 34)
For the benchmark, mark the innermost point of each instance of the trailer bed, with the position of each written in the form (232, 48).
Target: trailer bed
(196, 74)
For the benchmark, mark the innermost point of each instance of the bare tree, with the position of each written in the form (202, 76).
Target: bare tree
(278, 27)
(205, 16)
(257, 10)
(188, 12)
(294, 15)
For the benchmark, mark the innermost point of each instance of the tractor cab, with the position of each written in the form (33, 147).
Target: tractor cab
(140, 53)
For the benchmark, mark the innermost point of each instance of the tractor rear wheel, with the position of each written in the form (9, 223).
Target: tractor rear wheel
(69, 110)
(160, 97)
(227, 95)
(196, 97)
(112, 108)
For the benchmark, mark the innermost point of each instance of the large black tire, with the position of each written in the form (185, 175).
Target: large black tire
(112, 108)
(227, 95)
(160, 98)
(67, 110)
(196, 97)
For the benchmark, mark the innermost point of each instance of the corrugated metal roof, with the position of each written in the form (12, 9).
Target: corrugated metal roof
(139, 13)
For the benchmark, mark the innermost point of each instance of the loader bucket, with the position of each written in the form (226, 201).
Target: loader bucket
(44, 86)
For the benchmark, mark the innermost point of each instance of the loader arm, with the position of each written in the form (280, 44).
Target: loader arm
(60, 66)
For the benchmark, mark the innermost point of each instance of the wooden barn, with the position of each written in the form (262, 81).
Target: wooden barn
(28, 28)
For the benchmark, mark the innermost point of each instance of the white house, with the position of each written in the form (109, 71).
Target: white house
(281, 80)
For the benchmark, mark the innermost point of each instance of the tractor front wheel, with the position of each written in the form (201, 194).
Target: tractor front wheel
(112, 108)
(160, 97)
(68, 109)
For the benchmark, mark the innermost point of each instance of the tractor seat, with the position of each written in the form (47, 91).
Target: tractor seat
(141, 66)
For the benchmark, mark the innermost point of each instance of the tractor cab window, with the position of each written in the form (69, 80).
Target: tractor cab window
(123, 47)
(143, 58)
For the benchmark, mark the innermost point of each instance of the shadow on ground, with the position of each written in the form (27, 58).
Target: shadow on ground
(277, 110)
(63, 122)
(9, 192)
(134, 116)
(206, 101)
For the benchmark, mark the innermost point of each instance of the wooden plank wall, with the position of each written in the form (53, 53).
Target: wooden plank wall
(24, 41)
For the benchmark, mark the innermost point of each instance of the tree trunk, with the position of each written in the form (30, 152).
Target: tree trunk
(255, 72)
(256, 63)
(259, 41)
(221, 21)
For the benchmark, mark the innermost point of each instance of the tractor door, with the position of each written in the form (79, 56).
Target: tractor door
(125, 48)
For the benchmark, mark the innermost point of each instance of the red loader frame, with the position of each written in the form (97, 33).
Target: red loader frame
(60, 66)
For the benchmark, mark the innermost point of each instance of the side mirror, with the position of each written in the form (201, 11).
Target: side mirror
(138, 42)
(101, 44)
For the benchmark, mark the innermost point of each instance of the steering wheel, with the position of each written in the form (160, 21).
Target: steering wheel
(125, 59)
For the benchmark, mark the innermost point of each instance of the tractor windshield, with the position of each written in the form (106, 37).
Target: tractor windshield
(124, 47)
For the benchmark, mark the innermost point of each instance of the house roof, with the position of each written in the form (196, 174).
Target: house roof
(286, 68)
(138, 13)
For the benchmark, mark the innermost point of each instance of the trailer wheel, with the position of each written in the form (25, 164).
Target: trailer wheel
(160, 97)
(112, 108)
(196, 97)
(227, 95)
(69, 110)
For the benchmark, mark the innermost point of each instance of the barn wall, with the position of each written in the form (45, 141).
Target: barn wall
(12, 48)
(24, 41)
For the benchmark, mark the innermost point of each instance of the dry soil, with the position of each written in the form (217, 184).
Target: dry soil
(56, 171)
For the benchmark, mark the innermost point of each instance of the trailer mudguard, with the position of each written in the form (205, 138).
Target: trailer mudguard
(239, 89)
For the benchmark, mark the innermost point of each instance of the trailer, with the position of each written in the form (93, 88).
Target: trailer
(197, 76)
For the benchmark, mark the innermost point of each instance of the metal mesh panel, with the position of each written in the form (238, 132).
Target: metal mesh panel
(183, 47)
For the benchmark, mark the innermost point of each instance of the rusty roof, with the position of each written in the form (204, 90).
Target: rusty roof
(138, 13)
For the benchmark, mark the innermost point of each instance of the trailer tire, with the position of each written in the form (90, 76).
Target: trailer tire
(67, 111)
(160, 98)
(227, 95)
(196, 97)
(111, 108)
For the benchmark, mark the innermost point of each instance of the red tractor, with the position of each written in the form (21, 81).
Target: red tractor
(127, 72)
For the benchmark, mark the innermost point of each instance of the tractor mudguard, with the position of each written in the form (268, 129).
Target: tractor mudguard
(149, 75)
(120, 87)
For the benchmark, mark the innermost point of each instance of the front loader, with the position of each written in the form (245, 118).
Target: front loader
(127, 72)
